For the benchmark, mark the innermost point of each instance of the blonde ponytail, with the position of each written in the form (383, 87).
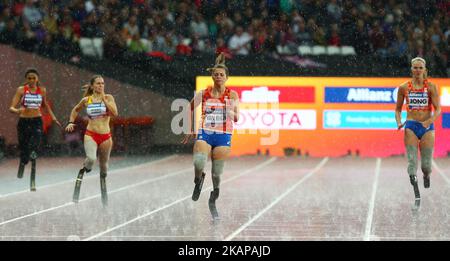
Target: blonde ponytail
(220, 64)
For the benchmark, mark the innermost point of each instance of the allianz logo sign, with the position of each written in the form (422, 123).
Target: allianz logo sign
(365, 94)
(360, 95)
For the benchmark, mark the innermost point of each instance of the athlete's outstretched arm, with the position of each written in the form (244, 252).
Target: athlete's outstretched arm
(436, 104)
(48, 108)
(73, 115)
(399, 105)
(16, 100)
(234, 113)
(196, 101)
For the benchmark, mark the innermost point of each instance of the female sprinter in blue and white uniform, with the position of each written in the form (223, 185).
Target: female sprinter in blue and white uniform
(421, 96)
(220, 108)
(99, 107)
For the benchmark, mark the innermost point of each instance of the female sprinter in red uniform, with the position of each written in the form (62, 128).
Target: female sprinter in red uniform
(99, 107)
(31, 97)
(420, 95)
(220, 108)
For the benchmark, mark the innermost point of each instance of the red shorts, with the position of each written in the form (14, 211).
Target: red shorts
(98, 138)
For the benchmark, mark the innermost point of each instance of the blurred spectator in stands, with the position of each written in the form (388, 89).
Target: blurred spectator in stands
(197, 44)
(437, 60)
(167, 16)
(361, 40)
(259, 40)
(270, 45)
(447, 31)
(150, 42)
(419, 49)
(47, 48)
(89, 27)
(378, 40)
(184, 47)
(114, 45)
(287, 44)
(27, 38)
(240, 42)
(50, 21)
(388, 29)
(399, 48)
(237, 19)
(182, 26)
(248, 16)
(286, 6)
(169, 43)
(334, 38)
(135, 44)
(211, 8)
(5, 16)
(198, 26)
(447, 52)
(66, 41)
(365, 10)
(78, 11)
(272, 7)
(221, 47)
(334, 11)
(319, 36)
(70, 28)
(31, 14)
(9, 34)
(303, 36)
(348, 22)
(130, 28)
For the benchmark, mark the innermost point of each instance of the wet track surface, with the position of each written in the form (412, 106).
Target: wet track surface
(261, 198)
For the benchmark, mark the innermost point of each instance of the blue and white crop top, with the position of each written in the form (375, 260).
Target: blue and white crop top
(96, 110)
(31, 100)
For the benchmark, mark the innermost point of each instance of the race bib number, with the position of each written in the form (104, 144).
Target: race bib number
(418, 100)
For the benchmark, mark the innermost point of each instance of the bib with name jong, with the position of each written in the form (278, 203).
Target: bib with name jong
(96, 110)
(31, 100)
(418, 99)
(214, 112)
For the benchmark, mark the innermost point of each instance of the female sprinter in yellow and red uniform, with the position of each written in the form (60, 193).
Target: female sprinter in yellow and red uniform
(220, 108)
(421, 96)
(31, 97)
(99, 107)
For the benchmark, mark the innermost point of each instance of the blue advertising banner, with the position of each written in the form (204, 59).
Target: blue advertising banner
(446, 120)
(360, 95)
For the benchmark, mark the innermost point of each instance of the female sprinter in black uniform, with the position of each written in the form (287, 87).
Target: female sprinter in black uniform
(27, 103)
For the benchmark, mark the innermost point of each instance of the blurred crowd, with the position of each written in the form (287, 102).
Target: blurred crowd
(398, 29)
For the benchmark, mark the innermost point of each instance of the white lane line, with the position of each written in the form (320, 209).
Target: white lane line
(372, 201)
(92, 176)
(95, 196)
(239, 230)
(441, 172)
(257, 167)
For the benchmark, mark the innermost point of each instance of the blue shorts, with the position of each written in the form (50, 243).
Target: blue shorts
(418, 128)
(215, 139)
